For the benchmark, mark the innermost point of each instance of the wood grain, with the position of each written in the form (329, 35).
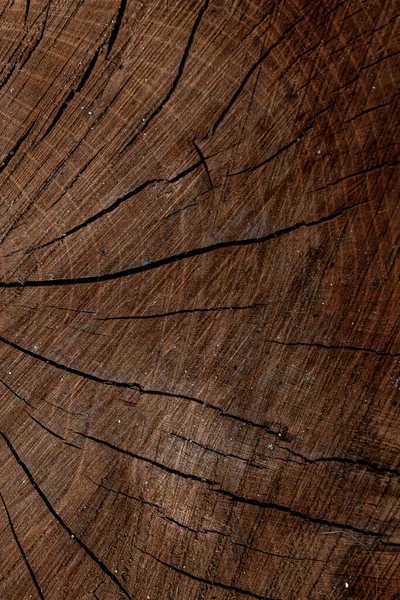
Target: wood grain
(199, 342)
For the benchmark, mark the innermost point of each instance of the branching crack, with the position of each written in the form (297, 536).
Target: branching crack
(157, 508)
(204, 163)
(233, 496)
(200, 530)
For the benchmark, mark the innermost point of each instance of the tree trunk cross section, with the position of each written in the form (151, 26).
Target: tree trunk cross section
(199, 325)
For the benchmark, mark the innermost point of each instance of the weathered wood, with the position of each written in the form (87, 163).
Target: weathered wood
(199, 334)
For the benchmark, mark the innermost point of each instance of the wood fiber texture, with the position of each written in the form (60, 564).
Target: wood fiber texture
(199, 268)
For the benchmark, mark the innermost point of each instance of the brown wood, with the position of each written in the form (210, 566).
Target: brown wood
(199, 337)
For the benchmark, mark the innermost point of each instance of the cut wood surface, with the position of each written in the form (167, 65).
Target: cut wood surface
(199, 340)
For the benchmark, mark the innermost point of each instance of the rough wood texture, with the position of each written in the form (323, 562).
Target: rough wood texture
(199, 336)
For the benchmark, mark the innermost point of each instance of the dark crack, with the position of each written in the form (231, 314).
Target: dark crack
(232, 495)
(183, 311)
(20, 548)
(176, 80)
(61, 522)
(150, 461)
(209, 582)
(182, 255)
(117, 27)
(249, 73)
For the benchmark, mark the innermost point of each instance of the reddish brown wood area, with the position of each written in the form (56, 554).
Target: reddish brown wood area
(199, 336)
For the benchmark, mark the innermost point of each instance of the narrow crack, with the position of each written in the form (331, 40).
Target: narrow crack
(210, 582)
(273, 156)
(357, 174)
(357, 462)
(297, 514)
(53, 433)
(183, 311)
(334, 347)
(249, 73)
(234, 456)
(366, 111)
(176, 80)
(89, 376)
(17, 395)
(140, 389)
